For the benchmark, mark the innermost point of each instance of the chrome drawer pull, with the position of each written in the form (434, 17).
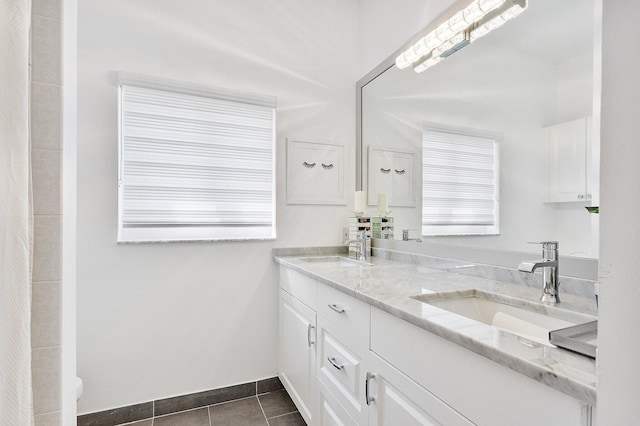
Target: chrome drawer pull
(368, 397)
(336, 308)
(309, 329)
(333, 362)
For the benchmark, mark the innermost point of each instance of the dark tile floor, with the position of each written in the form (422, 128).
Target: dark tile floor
(268, 409)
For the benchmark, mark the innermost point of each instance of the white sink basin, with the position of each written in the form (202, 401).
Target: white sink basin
(334, 261)
(500, 312)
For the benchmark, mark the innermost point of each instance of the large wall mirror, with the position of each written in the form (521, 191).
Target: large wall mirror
(535, 72)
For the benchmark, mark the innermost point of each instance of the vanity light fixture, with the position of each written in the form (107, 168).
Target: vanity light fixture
(474, 21)
(509, 10)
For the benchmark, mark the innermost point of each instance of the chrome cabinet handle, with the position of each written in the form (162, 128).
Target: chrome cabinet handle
(308, 165)
(385, 171)
(580, 196)
(400, 172)
(309, 329)
(367, 396)
(336, 308)
(333, 362)
(328, 166)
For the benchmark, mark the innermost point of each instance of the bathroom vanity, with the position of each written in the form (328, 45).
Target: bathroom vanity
(359, 345)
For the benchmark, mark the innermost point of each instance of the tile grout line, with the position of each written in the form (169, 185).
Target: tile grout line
(208, 414)
(262, 409)
(48, 83)
(285, 414)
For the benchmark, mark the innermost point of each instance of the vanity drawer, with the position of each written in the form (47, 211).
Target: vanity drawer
(340, 366)
(299, 286)
(348, 313)
(329, 411)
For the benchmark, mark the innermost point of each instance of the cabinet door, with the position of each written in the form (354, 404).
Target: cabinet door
(394, 399)
(298, 353)
(567, 157)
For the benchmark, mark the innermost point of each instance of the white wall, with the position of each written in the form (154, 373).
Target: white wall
(619, 340)
(160, 320)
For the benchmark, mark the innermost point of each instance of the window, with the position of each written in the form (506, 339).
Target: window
(459, 182)
(195, 163)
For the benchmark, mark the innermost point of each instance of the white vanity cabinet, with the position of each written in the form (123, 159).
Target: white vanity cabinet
(567, 148)
(481, 390)
(345, 362)
(297, 343)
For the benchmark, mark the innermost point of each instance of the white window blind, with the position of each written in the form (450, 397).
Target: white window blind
(196, 163)
(459, 183)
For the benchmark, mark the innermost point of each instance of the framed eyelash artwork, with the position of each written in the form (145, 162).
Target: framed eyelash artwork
(315, 173)
(391, 171)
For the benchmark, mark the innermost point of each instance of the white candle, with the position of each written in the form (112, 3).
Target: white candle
(383, 202)
(359, 202)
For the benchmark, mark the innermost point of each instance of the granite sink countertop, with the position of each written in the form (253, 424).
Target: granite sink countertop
(389, 284)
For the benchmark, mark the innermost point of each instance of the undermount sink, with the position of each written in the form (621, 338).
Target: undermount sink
(334, 261)
(513, 315)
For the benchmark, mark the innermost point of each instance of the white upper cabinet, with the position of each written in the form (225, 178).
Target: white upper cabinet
(567, 149)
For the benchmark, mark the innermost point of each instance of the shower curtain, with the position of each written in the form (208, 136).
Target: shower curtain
(16, 407)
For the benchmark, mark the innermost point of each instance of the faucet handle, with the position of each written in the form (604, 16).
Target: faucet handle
(546, 244)
(549, 249)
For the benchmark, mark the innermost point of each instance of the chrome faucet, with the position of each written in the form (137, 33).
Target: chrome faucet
(549, 263)
(362, 242)
(405, 236)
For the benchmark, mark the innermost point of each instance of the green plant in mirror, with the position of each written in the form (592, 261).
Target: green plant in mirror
(595, 210)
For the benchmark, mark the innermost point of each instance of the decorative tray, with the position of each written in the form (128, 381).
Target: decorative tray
(582, 338)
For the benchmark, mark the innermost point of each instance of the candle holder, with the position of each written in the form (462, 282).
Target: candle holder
(359, 224)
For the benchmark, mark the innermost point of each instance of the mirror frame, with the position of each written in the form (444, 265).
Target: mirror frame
(578, 267)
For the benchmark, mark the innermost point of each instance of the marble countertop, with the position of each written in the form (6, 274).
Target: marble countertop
(388, 284)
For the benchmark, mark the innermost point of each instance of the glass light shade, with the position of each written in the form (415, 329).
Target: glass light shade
(488, 5)
(457, 22)
(403, 61)
(448, 44)
(497, 22)
(444, 33)
(472, 13)
(424, 65)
